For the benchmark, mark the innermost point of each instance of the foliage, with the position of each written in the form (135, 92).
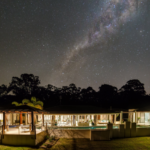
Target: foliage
(38, 106)
(32, 103)
(117, 115)
(39, 103)
(3, 90)
(46, 137)
(50, 140)
(33, 99)
(24, 85)
(27, 86)
(52, 137)
(25, 101)
(138, 118)
(16, 103)
(133, 87)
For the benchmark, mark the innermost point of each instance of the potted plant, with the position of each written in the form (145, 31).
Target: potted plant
(138, 118)
(55, 122)
(90, 122)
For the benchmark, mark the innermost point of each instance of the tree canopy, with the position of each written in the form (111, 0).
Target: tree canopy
(33, 103)
(26, 90)
(133, 87)
(24, 86)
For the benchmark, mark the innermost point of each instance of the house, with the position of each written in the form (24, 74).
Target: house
(28, 125)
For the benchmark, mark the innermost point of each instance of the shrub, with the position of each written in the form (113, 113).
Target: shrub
(46, 137)
(53, 137)
(50, 139)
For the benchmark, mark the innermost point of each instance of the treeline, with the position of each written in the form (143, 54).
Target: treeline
(130, 95)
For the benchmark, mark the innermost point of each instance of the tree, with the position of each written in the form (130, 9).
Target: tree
(107, 95)
(131, 93)
(74, 93)
(24, 86)
(88, 95)
(133, 87)
(107, 91)
(3, 90)
(33, 103)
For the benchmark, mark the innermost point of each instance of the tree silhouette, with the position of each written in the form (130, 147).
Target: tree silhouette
(27, 86)
(133, 87)
(74, 93)
(88, 96)
(107, 91)
(24, 86)
(131, 93)
(107, 94)
(3, 90)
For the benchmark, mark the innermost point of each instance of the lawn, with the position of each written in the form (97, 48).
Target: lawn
(3, 147)
(138, 143)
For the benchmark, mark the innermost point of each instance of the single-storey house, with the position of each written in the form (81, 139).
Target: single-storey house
(25, 125)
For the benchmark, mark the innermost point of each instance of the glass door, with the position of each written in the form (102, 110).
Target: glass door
(142, 117)
(146, 117)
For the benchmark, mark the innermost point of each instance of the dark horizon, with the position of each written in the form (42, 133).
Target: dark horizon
(27, 87)
(98, 88)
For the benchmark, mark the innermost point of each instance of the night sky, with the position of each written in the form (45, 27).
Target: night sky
(86, 42)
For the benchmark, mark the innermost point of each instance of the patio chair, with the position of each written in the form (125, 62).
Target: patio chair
(24, 128)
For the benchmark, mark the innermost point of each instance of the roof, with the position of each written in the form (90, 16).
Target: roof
(22, 108)
(145, 108)
(80, 110)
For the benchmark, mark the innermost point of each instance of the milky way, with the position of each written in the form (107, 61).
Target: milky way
(111, 16)
(86, 42)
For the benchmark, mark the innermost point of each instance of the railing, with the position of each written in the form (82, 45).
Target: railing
(51, 129)
(115, 126)
(54, 128)
(58, 123)
(102, 121)
(39, 127)
(22, 129)
(142, 126)
(16, 129)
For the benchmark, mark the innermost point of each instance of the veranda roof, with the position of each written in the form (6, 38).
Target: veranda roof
(144, 109)
(80, 110)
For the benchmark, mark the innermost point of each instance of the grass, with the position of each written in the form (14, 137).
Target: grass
(3, 147)
(138, 143)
